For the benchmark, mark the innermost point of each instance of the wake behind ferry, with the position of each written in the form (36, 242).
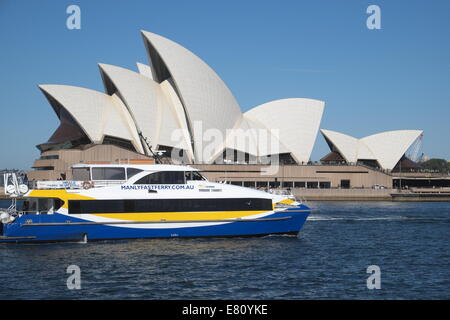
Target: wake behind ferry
(143, 201)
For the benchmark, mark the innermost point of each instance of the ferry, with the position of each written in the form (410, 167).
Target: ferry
(106, 202)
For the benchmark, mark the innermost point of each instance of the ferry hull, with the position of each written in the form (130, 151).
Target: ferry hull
(61, 227)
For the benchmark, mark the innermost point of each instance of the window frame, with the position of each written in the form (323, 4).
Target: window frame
(124, 172)
(162, 181)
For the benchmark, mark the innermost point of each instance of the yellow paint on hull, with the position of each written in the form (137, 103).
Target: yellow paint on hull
(155, 216)
(286, 201)
(60, 194)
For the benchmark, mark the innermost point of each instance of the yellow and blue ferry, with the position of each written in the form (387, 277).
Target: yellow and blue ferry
(145, 201)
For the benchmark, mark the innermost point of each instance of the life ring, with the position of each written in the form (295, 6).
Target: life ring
(88, 184)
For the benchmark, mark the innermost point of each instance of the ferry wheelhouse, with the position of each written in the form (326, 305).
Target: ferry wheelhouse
(143, 201)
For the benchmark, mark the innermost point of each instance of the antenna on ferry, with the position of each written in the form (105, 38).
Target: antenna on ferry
(155, 156)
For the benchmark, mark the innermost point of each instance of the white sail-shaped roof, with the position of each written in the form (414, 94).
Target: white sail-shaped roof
(179, 102)
(145, 70)
(390, 146)
(208, 102)
(147, 103)
(98, 114)
(180, 139)
(364, 152)
(345, 144)
(251, 137)
(296, 120)
(243, 138)
(139, 93)
(386, 148)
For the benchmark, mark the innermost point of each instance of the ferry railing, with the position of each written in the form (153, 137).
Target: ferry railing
(303, 200)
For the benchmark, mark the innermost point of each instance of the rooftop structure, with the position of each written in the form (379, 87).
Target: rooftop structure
(383, 150)
(181, 107)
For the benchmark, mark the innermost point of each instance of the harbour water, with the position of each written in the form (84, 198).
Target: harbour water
(409, 242)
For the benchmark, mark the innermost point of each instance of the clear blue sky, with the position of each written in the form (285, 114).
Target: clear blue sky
(371, 80)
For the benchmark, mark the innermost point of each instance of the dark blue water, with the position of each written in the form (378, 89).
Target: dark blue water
(328, 260)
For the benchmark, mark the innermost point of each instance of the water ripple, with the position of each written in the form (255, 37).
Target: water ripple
(327, 260)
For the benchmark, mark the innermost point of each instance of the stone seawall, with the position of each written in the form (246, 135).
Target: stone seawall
(372, 194)
(344, 194)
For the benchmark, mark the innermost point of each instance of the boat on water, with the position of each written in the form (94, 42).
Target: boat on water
(105, 202)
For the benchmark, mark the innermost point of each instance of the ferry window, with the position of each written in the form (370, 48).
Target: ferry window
(58, 204)
(32, 205)
(46, 205)
(96, 206)
(29, 206)
(162, 205)
(108, 173)
(163, 177)
(74, 206)
(81, 174)
(197, 176)
(43, 205)
(194, 175)
(132, 171)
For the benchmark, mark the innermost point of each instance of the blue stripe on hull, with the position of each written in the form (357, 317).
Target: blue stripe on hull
(104, 232)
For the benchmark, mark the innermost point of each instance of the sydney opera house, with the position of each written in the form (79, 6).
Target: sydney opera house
(178, 109)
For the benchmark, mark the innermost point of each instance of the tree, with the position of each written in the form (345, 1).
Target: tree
(440, 165)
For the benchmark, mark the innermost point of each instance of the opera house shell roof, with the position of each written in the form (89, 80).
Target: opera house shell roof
(178, 102)
(386, 148)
